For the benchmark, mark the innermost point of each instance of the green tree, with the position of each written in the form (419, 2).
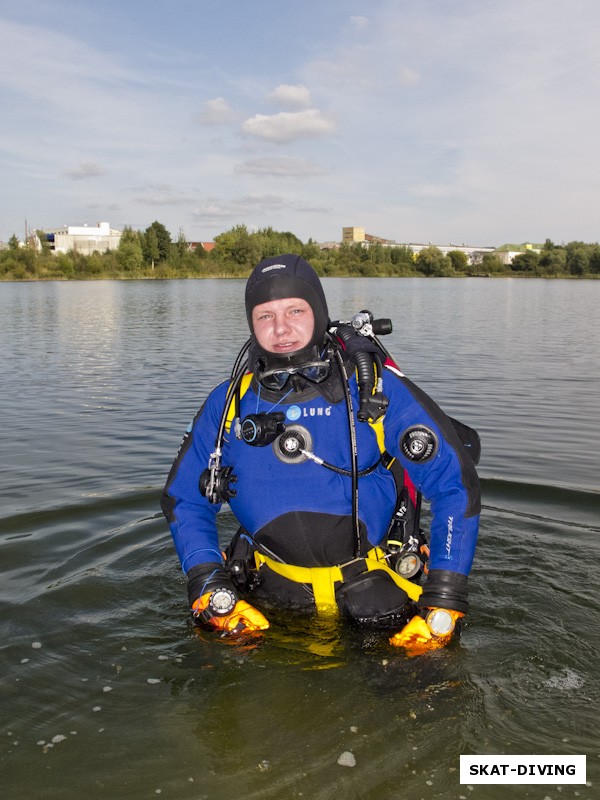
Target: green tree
(130, 256)
(348, 259)
(150, 248)
(460, 262)
(200, 254)
(402, 260)
(548, 246)
(181, 245)
(525, 262)
(492, 263)
(553, 260)
(595, 259)
(311, 252)
(432, 262)
(25, 258)
(64, 264)
(238, 247)
(380, 257)
(163, 241)
(577, 258)
(275, 243)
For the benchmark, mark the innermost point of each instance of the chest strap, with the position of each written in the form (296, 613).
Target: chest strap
(322, 580)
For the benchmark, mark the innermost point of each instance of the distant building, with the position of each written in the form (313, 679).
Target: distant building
(353, 235)
(507, 252)
(350, 235)
(206, 246)
(358, 236)
(85, 239)
(473, 254)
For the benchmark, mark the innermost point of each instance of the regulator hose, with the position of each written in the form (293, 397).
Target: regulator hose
(364, 369)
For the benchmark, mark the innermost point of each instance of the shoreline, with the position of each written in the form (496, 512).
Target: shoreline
(496, 276)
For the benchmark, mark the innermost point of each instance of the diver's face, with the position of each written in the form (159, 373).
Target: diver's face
(283, 326)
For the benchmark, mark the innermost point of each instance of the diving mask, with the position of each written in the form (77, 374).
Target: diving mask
(276, 379)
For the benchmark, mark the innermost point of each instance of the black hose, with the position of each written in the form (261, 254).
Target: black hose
(355, 520)
(364, 369)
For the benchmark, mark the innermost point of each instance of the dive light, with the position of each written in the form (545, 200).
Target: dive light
(440, 622)
(363, 323)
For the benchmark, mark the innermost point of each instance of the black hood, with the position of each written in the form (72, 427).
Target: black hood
(281, 277)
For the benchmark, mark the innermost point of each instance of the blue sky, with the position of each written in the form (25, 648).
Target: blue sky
(463, 121)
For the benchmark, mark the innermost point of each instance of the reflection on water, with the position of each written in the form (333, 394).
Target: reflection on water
(108, 691)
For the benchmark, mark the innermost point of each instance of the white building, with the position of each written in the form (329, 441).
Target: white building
(358, 236)
(507, 254)
(84, 239)
(473, 254)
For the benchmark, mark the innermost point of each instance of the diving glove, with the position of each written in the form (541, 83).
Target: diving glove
(431, 629)
(222, 611)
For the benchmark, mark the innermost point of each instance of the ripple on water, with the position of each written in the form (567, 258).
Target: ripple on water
(99, 588)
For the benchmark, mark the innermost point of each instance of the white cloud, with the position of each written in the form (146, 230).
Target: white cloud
(253, 206)
(162, 195)
(450, 120)
(286, 126)
(296, 96)
(85, 171)
(350, 75)
(284, 167)
(68, 79)
(222, 211)
(216, 112)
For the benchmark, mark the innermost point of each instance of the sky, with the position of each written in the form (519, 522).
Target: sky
(448, 121)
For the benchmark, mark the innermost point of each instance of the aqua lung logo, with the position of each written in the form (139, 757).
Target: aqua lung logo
(295, 412)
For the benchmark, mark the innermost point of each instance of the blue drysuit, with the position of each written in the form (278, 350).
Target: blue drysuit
(302, 512)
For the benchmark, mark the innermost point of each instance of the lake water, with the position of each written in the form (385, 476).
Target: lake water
(107, 691)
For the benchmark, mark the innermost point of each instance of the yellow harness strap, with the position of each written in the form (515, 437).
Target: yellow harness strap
(244, 384)
(322, 580)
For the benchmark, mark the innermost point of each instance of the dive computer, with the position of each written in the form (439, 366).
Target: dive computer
(221, 602)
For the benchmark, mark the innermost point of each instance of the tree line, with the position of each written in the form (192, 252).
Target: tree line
(153, 253)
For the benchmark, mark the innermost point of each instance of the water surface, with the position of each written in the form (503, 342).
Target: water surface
(108, 692)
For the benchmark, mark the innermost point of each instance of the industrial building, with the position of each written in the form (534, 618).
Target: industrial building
(85, 239)
(353, 235)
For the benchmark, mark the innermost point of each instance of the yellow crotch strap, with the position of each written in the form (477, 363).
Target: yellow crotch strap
(322, 580)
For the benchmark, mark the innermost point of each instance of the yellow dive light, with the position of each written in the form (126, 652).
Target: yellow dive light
(440, 621)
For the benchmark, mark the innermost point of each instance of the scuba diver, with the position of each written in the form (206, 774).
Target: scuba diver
(322, 448)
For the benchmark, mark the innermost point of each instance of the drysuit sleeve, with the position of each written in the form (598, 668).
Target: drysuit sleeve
(191, 518)
(422, 437)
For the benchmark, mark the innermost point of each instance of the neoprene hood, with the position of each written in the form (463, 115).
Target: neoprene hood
(286, 276)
